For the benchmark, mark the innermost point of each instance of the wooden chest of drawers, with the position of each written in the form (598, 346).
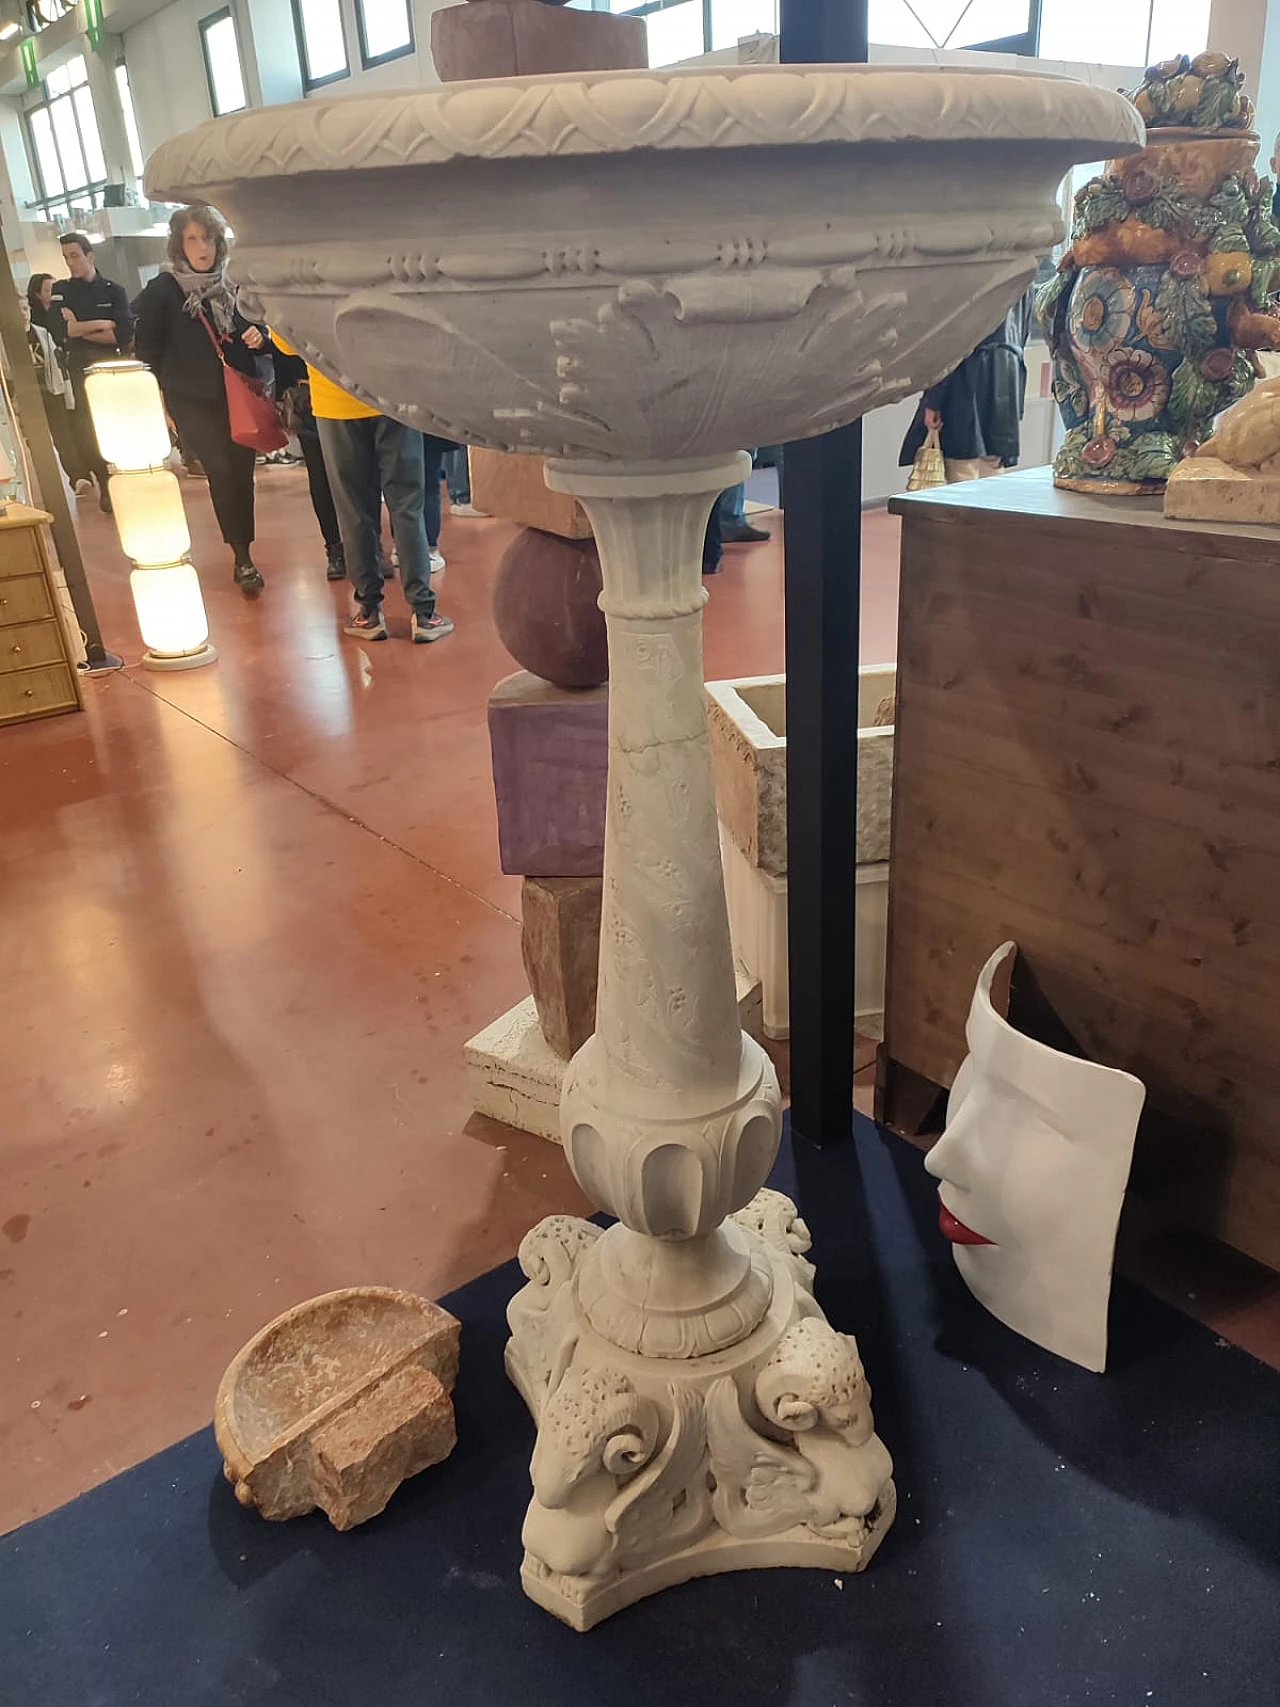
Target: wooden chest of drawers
(37, 677)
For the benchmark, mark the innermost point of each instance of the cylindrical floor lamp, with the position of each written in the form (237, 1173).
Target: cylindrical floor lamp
(128, 417)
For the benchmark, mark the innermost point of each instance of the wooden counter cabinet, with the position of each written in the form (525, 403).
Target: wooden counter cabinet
(37, 676)
(1088, 762)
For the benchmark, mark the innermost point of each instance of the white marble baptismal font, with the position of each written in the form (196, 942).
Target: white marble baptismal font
(635, 273)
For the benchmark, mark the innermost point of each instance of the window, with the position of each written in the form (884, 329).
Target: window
(386, 30)
(1123, 32)
(952, 24)
(1091, 32)
(137, 159)
(222, 68)
(732, 20)
(1177, 26)
(41, 13)
(321, 41)
(63, 130)
(675, 33)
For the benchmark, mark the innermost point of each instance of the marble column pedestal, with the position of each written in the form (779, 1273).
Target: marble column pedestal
(696, 1413)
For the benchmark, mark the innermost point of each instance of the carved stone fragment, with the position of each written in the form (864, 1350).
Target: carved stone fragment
(337, 1402)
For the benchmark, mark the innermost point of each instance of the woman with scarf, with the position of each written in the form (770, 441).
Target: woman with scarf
(185, 316)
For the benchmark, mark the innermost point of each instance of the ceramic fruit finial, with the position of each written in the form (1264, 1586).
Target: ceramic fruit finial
(1167, 287)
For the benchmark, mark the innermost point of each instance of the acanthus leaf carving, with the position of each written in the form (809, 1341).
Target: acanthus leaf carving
(761, 1486)
(668, 1505)
(372, 329)
(823, 1466)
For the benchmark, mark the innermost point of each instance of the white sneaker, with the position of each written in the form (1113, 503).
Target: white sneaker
(84, 488)
(437, 568)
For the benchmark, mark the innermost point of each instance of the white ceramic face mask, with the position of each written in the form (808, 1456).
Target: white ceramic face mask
(1033, 1165)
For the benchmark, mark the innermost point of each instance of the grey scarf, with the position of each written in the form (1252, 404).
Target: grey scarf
(209, 292)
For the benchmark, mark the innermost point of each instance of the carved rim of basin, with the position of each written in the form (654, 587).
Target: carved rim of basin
(598, 279)
(615, 112)
(311, 1361)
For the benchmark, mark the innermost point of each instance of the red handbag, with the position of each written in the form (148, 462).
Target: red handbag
(254, 420)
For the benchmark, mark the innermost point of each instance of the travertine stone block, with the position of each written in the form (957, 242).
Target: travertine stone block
(1205, 489)
(516, 1076)
(561, 946)
(748, 728)
(512, 487)
(757, 905)
(550, 755)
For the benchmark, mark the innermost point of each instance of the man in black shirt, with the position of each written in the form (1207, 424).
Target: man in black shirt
(99, 325)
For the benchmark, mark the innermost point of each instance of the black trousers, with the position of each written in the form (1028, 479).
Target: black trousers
(66, 440)
(321, 491)
(712, 546)
(205, 432)
(90, 459)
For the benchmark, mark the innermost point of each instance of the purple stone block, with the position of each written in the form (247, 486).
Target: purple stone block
(550, 759)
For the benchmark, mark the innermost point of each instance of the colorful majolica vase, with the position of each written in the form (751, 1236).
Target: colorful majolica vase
(1167, 287)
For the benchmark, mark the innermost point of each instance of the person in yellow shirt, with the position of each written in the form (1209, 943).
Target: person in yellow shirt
(370, 457)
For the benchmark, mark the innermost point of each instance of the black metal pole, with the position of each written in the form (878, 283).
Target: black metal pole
(823, 542)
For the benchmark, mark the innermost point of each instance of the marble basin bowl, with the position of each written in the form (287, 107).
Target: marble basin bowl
(647, 264)
(336, 1402)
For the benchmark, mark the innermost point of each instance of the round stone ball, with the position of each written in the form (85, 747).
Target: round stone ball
(546, 611)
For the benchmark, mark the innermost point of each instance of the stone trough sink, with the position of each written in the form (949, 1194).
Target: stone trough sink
(748, 728)
(337, 1402)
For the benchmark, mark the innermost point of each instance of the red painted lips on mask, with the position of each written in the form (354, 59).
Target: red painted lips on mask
(956, 1231)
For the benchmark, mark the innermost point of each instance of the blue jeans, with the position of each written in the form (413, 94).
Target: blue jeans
(733, 507)
(368, 460)
(458, 475)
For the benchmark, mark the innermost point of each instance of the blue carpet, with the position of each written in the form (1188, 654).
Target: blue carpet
(1062, 1538)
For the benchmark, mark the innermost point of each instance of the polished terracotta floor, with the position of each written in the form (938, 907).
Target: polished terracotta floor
(248, 917)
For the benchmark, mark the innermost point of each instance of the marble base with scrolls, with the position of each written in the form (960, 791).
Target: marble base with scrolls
(650, 1471)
